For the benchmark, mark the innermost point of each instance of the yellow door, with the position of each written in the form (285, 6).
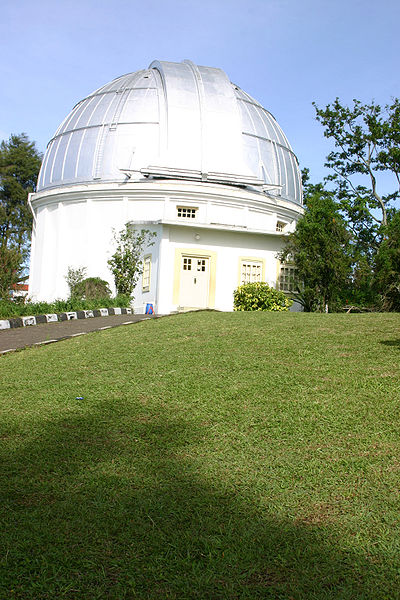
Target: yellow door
(194, 282)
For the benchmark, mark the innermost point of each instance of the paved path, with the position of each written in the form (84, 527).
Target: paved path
(21, 337)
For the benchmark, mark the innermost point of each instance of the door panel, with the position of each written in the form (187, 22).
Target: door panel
(194, 282)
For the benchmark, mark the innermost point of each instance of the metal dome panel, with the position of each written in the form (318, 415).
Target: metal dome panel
(174, 120)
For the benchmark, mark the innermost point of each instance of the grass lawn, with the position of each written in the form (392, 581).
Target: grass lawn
(213, 456)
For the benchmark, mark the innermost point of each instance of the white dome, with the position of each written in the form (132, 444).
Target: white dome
(173, 120)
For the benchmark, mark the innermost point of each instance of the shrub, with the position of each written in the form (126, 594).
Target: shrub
(91, 288)
(73, 278)
(260, 296)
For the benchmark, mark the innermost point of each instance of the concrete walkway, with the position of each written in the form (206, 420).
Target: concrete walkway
(21, 337)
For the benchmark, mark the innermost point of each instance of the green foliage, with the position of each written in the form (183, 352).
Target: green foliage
(367, 138)
(126, 264)
(10, 269)
(74, 277)
(260, 296)
(367, 141)
(320, 250)
(19, 167)
(387, 266)
(13, 309)
(91, 288)
(360, 290)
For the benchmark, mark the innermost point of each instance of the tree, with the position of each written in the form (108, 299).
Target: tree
(387, 265)
(367, 138)
(320, 250)
(126, 264)
(19, 167)
(10, 270)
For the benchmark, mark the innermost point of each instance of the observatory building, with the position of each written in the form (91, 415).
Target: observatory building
(179, 150)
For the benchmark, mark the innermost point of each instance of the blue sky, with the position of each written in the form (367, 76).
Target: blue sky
(285, 53)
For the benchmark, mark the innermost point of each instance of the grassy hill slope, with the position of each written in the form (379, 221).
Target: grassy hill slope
(241, 455)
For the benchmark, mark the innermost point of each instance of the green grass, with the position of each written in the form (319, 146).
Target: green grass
(242, 455)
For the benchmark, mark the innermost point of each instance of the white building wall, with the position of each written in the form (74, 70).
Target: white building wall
(166, 273)
(220, 214)
(142, 298)
(74, 229)
(230, 247)
(258, 219)
(104, 216)
(50, 250)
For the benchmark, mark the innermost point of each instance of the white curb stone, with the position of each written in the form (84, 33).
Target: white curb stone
(52, 318)
(27, 321)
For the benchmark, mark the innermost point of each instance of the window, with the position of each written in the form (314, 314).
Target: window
(287, 278)
(250, 271)
(280, 225)
(187, 264)
(201, 264)
(146, 273)
(186, 213)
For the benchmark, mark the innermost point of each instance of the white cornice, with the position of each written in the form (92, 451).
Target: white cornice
(148, 191)
(213, 226)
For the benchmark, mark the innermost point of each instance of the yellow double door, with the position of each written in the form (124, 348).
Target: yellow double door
(194, 281)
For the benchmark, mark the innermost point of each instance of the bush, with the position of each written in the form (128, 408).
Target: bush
(73, 278)
(259, 296)
(91, 288)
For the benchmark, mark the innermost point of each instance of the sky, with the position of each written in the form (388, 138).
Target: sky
(284, 53)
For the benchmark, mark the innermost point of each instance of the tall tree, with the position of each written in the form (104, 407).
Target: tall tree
(19, 167)
(367, 141)
(366, 161)
(320, 250)
(387, 265)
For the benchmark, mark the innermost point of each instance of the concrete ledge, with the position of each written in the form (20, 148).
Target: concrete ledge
(16, 322)
(41, 319)
(65, 316)
(84, 314)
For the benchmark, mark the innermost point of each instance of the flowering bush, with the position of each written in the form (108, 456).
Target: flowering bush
(259, 296)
